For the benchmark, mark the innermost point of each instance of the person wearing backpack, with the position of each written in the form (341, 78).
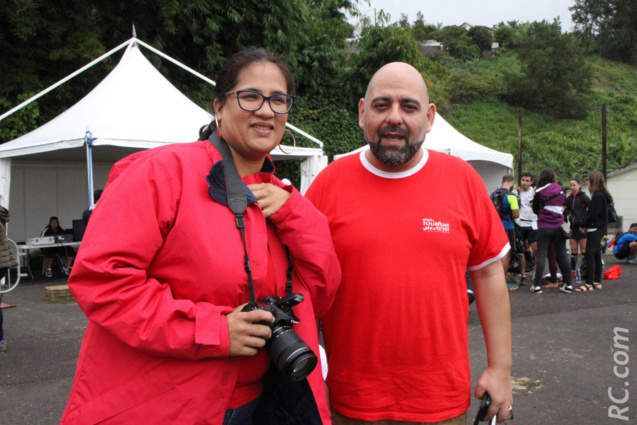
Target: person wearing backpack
(506, 204)
(595, 224)
(549, 204)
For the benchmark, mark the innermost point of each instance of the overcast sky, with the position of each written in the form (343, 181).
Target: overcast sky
(477, 12)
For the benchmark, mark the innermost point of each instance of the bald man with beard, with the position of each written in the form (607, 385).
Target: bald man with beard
(406, 224)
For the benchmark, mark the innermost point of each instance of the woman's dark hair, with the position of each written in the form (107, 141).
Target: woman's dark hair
(575, 179)
(546, 176)
(53, 218)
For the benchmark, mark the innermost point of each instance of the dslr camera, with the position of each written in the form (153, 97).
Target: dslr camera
(294, 358)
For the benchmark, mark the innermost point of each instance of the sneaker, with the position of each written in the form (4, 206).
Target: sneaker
(3, 345)
(49, 273)
(536, 289)
(66, 270)
(512, 286)
(632, 260)
(566, 288)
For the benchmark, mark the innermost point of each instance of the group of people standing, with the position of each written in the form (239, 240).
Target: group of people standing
(543, 209)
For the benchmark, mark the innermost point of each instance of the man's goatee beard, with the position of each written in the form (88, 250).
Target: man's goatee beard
(394, 156)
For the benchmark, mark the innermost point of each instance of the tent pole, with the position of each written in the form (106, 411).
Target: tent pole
(89, 165)
(168, 58)
(62, 81)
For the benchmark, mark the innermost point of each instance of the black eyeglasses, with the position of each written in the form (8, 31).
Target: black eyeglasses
(251, 101)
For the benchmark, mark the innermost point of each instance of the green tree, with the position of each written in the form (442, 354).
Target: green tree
(555, 77)
(379, 46)
(457, 43)
(612, 24)
(421, 30)
(403, 21)
(44, 44)
(481, 37)
(40, 45)
(505, 36)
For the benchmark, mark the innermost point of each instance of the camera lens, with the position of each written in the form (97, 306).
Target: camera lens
(294, 358)
(302, 366)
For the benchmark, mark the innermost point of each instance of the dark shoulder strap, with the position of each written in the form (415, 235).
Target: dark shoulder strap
(237, 200)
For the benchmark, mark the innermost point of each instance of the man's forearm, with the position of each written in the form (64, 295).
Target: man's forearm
(492, 301)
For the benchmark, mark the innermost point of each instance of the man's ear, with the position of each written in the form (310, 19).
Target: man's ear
(431, 116)
(361, 112)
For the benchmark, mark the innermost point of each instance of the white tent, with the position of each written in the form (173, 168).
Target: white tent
(489, 163)
(133, 108)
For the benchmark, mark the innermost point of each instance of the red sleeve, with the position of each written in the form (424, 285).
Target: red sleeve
(110, 280)
(305, 231)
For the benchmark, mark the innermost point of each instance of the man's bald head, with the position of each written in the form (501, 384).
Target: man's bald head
(398, 70)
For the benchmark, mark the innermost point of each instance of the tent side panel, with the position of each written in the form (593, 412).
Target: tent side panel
(16, 229)
(490, 172)
(40, 193)
(40, 190)
(5, 182)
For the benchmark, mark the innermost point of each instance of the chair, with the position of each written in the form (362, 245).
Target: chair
(59, 259)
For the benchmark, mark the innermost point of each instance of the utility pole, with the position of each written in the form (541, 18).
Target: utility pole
(519, 143)
(604, 140)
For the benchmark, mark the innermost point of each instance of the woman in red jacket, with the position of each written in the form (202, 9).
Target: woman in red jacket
(161, 275)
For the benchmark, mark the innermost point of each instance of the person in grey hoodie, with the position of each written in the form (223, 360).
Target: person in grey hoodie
(549, 203)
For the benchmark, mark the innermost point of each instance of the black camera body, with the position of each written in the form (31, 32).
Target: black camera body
(294, 358)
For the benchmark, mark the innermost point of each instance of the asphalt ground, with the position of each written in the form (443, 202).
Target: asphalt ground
(572, 354)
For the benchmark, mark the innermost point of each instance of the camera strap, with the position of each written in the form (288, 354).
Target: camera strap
(238, 202)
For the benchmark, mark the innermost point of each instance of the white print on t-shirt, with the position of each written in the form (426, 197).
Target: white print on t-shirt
(431, 225)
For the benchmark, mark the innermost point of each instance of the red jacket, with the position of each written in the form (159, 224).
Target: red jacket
(160, 265)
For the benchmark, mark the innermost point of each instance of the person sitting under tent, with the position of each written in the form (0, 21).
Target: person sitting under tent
(68, 253)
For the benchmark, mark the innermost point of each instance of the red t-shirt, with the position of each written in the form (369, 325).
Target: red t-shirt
(396, 336)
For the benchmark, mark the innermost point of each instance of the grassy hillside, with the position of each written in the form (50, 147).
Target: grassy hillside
(571, 147)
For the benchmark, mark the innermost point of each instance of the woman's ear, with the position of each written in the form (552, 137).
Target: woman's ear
(218, 107)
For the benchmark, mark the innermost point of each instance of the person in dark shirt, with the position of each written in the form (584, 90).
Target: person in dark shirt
(54, 229)
(595, 224)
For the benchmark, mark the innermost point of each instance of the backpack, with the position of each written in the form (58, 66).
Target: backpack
(612, 214)
(497, 198)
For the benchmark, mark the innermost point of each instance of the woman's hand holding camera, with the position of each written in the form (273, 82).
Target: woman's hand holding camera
(246, 336)
(269, 197)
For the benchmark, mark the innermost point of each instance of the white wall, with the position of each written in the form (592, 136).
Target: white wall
(622, 186)
(40, 190)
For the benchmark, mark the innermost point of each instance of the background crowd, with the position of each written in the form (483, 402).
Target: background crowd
(546, 222)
